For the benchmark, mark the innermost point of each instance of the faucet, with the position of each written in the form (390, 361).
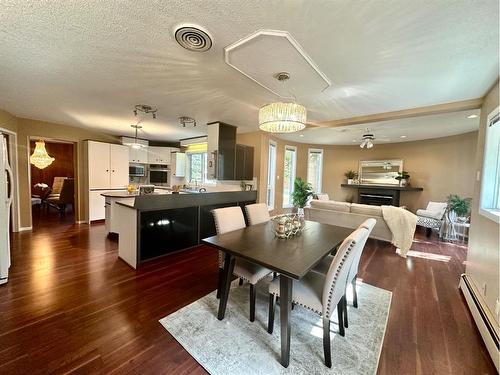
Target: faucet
(195, 183)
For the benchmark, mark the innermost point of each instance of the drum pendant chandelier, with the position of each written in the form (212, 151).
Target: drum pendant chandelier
(280, 117)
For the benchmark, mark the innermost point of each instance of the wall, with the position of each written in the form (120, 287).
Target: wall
(442, 166)
(27, 128)
(62, 166)
(7, 121)
(483, 263)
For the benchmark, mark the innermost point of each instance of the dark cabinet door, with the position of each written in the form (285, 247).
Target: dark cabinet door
(243, 163)
(227, 152)
(248, 166)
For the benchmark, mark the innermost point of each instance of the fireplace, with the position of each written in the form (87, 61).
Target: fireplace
(375, 199)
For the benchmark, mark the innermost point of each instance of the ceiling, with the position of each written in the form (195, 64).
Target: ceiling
(87, 63)
(403, 130)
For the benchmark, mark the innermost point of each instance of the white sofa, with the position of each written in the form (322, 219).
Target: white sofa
(348, 215)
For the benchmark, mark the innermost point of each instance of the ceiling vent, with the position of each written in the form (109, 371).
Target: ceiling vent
(193, 38)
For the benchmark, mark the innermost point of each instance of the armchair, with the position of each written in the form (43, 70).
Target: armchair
(432, 217)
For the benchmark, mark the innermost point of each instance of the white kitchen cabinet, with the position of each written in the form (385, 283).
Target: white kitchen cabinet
(159, 155)
(107, 169)
(99, 165)
(118, 166)
(97, 202)
(138, 155)
(178, 163)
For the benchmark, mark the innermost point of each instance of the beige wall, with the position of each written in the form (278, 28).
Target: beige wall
(483, 262)
(7, 121)
(442, 166)
(33, 128)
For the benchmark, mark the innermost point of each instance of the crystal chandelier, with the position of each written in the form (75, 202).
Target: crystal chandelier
(280, 117)
(40, 158)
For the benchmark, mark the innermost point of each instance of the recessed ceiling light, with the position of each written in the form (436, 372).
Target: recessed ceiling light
(403, 136)
(472, 116)
(301, 135)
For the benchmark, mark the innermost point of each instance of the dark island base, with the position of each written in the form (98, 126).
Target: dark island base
(167, 230)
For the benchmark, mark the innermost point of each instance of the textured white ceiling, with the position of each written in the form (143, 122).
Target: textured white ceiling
(86, 63)
(403, 130)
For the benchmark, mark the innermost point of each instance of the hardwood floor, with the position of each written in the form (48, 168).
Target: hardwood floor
(72, 306)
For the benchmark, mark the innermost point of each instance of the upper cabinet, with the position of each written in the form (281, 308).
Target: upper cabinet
(178, 167)
(243, 163)
(107, 165)
(221, 151)
(138, 155)
(159, 155)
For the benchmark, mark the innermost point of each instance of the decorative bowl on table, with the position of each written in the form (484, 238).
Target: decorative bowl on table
(287, 225)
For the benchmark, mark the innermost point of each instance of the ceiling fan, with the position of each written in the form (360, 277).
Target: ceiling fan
(367, 141)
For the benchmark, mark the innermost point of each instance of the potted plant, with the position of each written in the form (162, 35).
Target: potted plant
(403, 178)
(302, 191)
(351, 176)
(461, 206)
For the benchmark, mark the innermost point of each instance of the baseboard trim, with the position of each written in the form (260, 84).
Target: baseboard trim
(25, 229)
(484, 323)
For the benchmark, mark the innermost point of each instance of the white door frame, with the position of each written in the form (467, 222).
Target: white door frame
(15, 209)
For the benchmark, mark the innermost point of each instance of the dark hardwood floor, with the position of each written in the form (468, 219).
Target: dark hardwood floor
(72, 306)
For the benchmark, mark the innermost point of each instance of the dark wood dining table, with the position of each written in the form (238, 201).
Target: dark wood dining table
(292, 258)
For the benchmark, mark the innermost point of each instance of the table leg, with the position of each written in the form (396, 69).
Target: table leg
(286, 286)
(226, 284)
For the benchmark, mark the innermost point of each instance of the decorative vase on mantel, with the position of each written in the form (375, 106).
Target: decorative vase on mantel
(350, 181)
(403, 182)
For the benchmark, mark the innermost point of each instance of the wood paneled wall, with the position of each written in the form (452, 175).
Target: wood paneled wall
(63, 166)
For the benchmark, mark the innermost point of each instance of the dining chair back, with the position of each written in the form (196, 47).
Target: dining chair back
(336, 278)
(257, 213)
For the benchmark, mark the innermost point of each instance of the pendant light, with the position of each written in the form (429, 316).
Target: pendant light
(40, 158)
(136, 143)
(280, 117)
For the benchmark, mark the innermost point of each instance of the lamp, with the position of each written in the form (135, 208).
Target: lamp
(40, 158)
(136, 143)
(282, 117)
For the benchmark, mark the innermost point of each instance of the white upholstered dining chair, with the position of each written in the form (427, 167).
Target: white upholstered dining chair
(323, 294)
(323, 266)
(226, 220)
(257, 213)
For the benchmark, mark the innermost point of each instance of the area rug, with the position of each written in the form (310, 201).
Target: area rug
(237, 346)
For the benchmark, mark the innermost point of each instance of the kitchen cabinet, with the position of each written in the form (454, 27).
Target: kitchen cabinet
(138, 155)
(107, 165)
(244, 162)
(221, 151)
(178, 164)
(159, 155)
(107, 169)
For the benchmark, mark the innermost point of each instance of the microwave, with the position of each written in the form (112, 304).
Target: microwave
(136, 170)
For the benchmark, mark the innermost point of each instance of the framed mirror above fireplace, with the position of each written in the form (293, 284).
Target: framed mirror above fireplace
(379, 172)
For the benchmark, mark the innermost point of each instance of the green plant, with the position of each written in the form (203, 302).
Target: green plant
(351, 175)
(302, 190)
(403, 175)
(461, 206)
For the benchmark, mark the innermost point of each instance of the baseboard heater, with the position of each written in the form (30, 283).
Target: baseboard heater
(483, 322)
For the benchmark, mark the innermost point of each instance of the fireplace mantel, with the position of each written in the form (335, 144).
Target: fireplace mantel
(380, 194)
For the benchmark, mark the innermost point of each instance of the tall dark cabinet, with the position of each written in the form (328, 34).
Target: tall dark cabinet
(244, 163)
(225, 159)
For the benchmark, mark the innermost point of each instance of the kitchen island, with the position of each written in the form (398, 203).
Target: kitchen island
(151, 226)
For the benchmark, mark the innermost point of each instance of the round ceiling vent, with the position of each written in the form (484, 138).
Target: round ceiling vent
(193, 38)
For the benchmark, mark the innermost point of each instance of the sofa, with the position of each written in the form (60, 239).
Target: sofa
(348, 215)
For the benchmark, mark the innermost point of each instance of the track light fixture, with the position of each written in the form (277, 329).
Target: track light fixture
(146, 109)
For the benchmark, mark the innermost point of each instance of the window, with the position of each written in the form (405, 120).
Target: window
(490, 197)
(271, 175)
(197, 165)
(315, 168)
(289, 174)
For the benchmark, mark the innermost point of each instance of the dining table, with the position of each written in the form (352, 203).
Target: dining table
(292, 258)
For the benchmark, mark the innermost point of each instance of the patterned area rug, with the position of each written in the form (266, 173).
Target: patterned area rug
(237, 346)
